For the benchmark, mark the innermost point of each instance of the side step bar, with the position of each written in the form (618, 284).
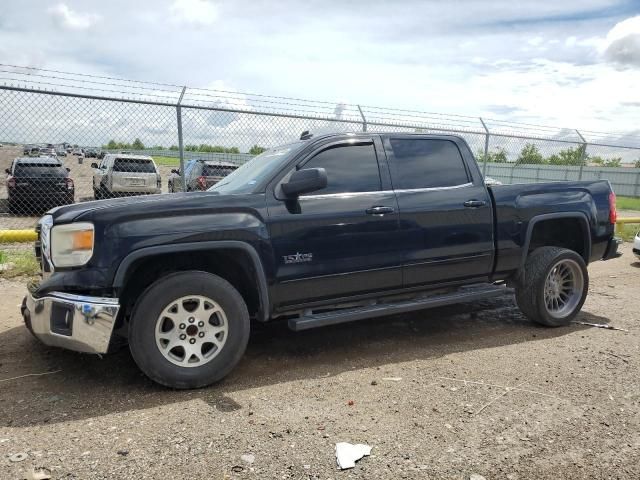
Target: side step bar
(464, 294)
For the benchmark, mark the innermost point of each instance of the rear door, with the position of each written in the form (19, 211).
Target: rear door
(445, 210)
(342, 240)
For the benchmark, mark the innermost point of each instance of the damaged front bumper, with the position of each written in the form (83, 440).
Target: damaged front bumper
(75, 322)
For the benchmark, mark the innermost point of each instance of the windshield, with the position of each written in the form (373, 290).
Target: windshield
(245, 178)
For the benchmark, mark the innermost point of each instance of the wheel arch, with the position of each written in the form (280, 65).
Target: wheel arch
(547, 219)
(127, 266)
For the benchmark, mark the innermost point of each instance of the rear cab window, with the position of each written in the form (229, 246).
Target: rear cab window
(217, 170)
(134, 165)
(38, 169)
(421, 163)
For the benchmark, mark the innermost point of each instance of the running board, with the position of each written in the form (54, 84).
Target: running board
(464, 294)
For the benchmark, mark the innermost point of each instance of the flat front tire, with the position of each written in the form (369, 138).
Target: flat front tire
(189, 329)
(553, 286)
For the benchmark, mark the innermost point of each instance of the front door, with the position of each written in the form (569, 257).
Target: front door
(343, 239)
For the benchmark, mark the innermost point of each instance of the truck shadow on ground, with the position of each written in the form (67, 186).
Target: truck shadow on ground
(89, 386)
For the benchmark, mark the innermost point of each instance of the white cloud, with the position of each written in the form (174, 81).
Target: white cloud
(64, 17)
(195, 12)
(623, 43)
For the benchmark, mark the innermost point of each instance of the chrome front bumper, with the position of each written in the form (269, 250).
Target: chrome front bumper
(75, 322)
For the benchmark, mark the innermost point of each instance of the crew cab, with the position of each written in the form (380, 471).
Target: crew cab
(323, 230)
(120, 175)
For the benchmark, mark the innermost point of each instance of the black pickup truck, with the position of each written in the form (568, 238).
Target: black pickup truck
(320, 231)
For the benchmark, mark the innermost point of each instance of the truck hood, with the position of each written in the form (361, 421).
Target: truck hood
(174, 204)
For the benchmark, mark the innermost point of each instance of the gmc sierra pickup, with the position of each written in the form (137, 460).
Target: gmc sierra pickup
(320, 231)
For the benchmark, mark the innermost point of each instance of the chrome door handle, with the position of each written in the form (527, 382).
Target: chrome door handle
(474, 203)
(379, 210)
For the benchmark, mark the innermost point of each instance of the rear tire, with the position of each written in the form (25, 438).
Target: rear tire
(188, 330)
(553, 286)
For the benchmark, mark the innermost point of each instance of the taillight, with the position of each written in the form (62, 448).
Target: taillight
(613, 213)
(11, 183)
(69, 183)
(202, 183)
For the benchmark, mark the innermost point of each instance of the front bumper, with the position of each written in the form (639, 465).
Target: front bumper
(74, 322)
(612, 249)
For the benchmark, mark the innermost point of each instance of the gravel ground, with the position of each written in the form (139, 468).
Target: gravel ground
(428, 391)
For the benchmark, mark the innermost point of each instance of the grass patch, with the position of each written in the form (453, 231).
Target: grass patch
(167, 161)
(22, 264)
(627, 231)
(627, 203)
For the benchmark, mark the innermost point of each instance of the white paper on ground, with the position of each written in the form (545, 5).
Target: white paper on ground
(347, 454)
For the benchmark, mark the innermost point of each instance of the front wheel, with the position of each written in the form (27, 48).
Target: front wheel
(189, 329)
(553, 286)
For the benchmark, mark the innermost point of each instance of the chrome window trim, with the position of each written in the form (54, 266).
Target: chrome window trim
(433, 189)
(404, 190)
(345, 194)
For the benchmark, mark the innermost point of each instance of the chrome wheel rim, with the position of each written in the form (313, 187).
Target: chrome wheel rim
(191, 331)
(563, 288)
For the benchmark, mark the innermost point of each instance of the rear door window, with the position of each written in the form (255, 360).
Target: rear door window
(427, 163)
(133, 165)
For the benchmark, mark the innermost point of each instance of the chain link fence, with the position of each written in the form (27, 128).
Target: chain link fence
(70, 137)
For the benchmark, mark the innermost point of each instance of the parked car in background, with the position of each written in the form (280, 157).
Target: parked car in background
(78, 152)
(123, 175)
(61, 152)
(93, 153)
(38, 184)
(48, 151)
(636, 245)
(200, 174)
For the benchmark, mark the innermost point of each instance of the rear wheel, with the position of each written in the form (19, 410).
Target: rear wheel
(553, 287)
(189, 329)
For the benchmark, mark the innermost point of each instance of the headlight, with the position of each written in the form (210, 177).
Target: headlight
(71, 244)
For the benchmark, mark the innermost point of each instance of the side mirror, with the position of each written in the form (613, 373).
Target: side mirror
(305, 181)
(8, 170)
(177, 172)
(94, 165)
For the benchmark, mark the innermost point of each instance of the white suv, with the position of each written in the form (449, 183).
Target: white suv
(125, 174)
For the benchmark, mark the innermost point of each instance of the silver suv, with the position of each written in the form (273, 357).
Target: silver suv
(125, 174)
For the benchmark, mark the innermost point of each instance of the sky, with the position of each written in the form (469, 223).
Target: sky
(572, 63)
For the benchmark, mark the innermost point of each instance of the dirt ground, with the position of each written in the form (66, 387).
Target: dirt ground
(445, 393)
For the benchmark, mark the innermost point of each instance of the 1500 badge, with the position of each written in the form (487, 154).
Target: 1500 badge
(298, 258)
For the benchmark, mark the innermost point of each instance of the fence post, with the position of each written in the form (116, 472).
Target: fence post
(180, 143)
(364, 119)
(486, 147)
(583, 157)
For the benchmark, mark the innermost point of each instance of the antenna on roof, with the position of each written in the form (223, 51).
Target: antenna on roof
(306, 135)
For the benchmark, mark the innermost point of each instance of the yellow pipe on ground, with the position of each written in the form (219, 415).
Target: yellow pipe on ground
(16, 236)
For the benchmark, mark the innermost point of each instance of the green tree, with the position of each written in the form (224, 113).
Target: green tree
(613, 162)
(570, 156)
(256, 150)
(499, 156)
(173, 147)
(137, 144)
(233, 150)
(112, 145)
(596, 160)
(636, 164)
(530, 155)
